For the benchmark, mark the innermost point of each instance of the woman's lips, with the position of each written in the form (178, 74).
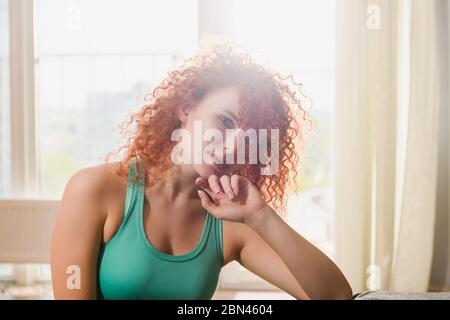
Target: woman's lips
(219, 167)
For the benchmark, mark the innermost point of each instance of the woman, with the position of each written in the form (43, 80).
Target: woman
(152, 227)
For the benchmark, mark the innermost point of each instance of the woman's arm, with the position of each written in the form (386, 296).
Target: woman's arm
(267, 241)
(257, 256)
(77, 235)
(315, 274)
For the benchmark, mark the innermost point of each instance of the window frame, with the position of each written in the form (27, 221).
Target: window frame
(22, 143)
(22, 100)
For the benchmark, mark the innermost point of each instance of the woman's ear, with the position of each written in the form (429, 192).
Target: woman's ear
(182, 113)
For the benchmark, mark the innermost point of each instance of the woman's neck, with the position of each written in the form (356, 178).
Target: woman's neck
(177, 185)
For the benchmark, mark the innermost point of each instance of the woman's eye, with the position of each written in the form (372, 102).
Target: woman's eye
(226, 121)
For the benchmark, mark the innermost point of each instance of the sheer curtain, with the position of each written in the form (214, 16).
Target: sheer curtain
(389, 71)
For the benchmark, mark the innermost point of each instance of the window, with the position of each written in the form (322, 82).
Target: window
(90, 75)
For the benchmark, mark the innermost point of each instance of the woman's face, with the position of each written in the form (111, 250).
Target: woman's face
(217, 110)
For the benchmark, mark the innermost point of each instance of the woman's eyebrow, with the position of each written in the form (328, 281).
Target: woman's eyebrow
(231, 114)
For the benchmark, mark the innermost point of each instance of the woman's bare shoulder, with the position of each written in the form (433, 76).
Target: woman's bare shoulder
(96, 177)
(96, 184)
(94, 195)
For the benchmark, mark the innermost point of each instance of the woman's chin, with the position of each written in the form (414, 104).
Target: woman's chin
(206, 171)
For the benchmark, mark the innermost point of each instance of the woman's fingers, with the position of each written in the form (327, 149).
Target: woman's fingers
(206, 201)
(213, 181)
(203, 183)
(214, 185)
(226, 186)
(235, 184)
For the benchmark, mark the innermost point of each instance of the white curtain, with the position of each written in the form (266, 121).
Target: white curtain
(389, 81)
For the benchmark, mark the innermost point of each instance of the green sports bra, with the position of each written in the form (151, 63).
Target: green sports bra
(130, 267)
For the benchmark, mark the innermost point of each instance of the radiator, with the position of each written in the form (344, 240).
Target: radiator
(26, 230)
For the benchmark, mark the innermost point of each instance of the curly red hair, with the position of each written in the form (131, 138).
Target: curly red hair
(266, 101)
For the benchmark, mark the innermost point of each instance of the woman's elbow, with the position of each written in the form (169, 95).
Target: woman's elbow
(344, 293)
